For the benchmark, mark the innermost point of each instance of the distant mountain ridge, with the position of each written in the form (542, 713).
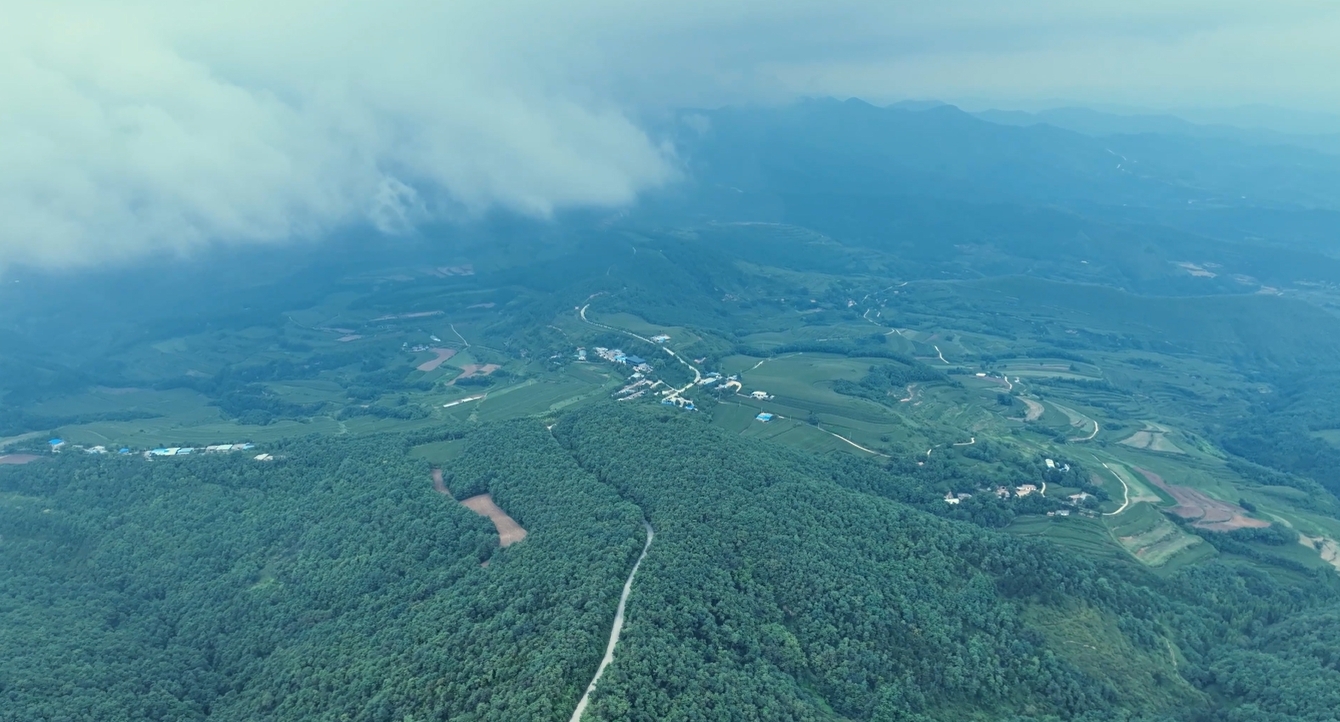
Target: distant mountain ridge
(1097, 123)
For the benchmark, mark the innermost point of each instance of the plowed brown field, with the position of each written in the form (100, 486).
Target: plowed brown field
(1207, 512)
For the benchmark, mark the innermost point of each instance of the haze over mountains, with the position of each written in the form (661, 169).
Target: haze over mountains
(651, 362)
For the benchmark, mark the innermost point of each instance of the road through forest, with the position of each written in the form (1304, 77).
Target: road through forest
(615, 630)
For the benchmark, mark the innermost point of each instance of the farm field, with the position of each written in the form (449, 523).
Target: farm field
(1027, 370)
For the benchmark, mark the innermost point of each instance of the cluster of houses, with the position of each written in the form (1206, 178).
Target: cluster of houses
(187, 450)
(714, 382)
(1004, 492)
(1022, 490)
(635, 389)
(58, 444)
(614, 355)
(639, 385)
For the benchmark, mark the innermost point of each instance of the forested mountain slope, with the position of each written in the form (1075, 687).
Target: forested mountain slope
(334, 583)
(331, 583)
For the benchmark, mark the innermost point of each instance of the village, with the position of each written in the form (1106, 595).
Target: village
(1023, 490)
(640, 384)
(57, 444)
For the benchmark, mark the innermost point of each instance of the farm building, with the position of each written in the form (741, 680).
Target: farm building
(661, 338)
(765, 418)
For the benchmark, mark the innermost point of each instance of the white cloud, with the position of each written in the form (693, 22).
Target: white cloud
(157, 127)
(164, 125)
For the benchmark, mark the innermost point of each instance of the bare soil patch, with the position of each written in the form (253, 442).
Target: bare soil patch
(442, 355)
(1207, 513)
(1139, 440)
(1326, 547)
(509, 532)
(469, 370)
(1035, 409)
(18, 459)
(1161, 443)
(1154, 438)
(348, 338)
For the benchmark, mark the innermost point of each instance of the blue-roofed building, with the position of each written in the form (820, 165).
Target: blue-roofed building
(123, 451)
(765, 418)
(56, 443)
(667, 402)
(635, 360)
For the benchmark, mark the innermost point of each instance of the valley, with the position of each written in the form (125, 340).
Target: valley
(816, 436)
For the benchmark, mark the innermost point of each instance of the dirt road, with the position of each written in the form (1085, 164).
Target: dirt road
(616, 630)
(1125, 494)
(853, 443)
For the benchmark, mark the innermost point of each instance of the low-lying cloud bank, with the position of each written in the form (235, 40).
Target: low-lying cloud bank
(161, 128)
(153, 126)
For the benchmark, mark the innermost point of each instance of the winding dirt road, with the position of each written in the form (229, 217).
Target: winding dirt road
(1125, 494)
(853, 443)
(615, 630)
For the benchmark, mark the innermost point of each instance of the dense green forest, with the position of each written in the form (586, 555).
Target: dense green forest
(333, 582)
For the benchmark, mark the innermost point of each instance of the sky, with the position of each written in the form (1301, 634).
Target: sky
(148, 128)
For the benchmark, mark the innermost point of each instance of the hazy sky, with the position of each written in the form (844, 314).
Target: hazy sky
(152, 126)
